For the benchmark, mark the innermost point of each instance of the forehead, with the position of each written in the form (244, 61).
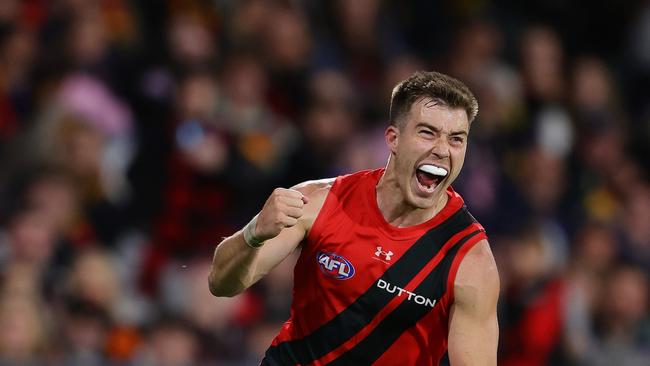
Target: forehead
(438, 115)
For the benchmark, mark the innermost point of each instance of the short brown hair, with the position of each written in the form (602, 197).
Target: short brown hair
(440, 88)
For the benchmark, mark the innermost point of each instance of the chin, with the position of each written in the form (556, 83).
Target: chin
(421, 202)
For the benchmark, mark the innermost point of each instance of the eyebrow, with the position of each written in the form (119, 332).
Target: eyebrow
(436, 129)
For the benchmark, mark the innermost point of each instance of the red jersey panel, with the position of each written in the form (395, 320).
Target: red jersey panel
(368, 293)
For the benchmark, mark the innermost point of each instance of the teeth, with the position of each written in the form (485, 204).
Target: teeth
(432, 169)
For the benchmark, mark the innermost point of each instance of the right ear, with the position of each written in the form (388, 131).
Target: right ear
(392, 138)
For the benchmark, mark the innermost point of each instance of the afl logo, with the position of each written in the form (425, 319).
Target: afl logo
(335, 266)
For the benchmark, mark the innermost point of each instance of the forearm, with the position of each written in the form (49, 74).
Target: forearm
(233, 266)
(245, 257)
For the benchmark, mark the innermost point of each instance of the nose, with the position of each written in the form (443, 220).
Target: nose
(440, 148)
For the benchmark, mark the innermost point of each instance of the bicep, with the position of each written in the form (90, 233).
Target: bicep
(473, 326)
(472, 339)
(277, 249)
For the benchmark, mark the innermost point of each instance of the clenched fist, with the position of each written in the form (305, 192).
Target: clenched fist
(282, 209)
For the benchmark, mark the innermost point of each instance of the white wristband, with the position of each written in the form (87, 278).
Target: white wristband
(249, 234)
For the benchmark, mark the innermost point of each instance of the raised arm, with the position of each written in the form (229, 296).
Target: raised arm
(281, 225)
(473, 329)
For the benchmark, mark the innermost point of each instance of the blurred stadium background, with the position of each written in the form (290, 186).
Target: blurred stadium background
(135, 134)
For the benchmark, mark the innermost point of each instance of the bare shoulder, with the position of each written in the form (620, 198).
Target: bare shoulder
(315, 188)
(477, 280)
(316, 192)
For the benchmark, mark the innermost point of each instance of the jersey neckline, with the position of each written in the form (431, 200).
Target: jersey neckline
(454, 203)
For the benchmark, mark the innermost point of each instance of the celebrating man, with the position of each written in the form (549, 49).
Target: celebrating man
(393, 268)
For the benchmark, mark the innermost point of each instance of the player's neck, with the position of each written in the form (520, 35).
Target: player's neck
(395, 207)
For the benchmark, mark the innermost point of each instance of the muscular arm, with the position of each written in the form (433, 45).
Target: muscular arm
(236, 266)
(473, 329)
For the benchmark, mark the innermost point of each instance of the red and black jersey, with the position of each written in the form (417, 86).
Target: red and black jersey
(369, 293)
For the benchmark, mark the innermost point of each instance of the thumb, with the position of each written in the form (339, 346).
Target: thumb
(304, 199)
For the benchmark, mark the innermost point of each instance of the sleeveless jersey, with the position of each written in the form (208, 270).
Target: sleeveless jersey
(369, 293)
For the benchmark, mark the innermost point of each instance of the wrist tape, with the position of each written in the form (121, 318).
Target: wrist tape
(249, 234)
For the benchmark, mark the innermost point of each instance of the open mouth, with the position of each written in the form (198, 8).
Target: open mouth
(429, 176)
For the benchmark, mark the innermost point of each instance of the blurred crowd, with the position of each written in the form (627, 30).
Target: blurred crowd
(134, 135)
